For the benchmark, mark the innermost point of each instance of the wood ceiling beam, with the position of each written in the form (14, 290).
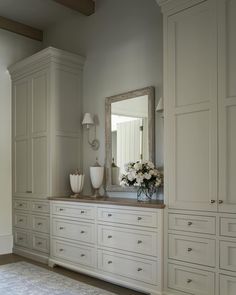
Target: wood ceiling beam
(21, 29)
(86, 7)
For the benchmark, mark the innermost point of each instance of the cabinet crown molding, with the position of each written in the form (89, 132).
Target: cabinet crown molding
(173, 6)
(43, 58)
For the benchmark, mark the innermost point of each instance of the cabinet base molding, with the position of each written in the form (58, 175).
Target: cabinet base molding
(114, 279)
(6, 244)
(31, 255)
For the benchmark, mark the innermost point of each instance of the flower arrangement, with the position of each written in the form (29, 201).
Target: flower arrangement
(143, 175)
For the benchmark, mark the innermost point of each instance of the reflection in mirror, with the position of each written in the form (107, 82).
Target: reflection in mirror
(129, 132)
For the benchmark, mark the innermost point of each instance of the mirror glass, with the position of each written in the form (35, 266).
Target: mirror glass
(129, 133)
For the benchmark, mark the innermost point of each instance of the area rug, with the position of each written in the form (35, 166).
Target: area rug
(23, 278)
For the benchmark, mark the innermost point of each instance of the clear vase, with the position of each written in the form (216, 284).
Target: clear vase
(145, 194)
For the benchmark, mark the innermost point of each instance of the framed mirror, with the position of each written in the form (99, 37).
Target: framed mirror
(129, 133)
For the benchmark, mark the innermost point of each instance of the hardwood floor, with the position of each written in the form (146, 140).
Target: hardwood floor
(11, 258)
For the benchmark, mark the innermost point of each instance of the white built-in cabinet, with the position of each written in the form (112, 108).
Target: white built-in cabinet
(46, 114)
(200, 146)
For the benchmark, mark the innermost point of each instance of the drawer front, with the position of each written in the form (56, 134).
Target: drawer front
(40, 223)
(227, 285)
(22, 220)
(40, 243)
(127, 239)
(228, 255)
(75, 253)
(191, 223)
(21, 204)
(40, 207)
(78, 231)
(190, 249)
(128, 267)
(228, 227)
(190, 280)
(22, 239)
(78, 211)
(133, 217)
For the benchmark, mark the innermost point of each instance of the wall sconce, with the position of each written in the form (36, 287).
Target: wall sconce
(88, 121)
(160, 106)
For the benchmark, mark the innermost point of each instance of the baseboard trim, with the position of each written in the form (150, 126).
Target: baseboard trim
(31, 255)
(6, 244)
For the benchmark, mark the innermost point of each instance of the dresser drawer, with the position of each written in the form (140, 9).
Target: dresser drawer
(40, 243)
(40, 207)
(76, 254)
(228, 255)
(77, 211)
(228, 227)
(22, 238)
(227, 285)
(192, 223)
(133, 217)
(142, 242)
(21, 220)
(21, 204)
(190, 249)
(78, 231)
(129, 267)
(190, 280)
(40, 223)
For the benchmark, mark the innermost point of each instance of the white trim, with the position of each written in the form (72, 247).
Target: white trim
(6, 244)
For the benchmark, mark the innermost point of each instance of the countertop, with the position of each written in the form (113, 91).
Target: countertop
(111, 201)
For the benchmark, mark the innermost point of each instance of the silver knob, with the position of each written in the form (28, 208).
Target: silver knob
(29, 192)
(20, 220)
(109, 262)
(39, 243)
(139, 218)
(190, 223)
(82, 232)
(189, 281)
(82, 211)
(220, 201)
(61, 227)
(139, 241)
(139, 269)
(20, 239)
(109, 215)
(190, 249)
(39, 223)
(82, 255)
(109, 237)
(20, 205)
(61, 209)
(61, 250)
(39, 207)
(213, 201)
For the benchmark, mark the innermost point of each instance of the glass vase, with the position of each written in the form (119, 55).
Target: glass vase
(145, 194)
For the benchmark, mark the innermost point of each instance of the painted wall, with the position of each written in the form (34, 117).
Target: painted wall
(13, 48)
(122, 43)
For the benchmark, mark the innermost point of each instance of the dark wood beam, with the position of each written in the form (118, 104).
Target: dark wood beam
(86, 7)
(21, 29)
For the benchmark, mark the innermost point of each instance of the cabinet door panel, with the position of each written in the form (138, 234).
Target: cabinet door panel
(20, 176)
(227, 105)
(227, 285)
(191, 108)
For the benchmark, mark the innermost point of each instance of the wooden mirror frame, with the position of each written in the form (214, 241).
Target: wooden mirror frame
(150, 92)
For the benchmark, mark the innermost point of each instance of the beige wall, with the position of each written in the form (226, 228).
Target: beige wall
(12, 48)
(122, 43)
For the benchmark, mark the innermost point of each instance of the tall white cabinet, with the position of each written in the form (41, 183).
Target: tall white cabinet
(46, 113)
(200, 145)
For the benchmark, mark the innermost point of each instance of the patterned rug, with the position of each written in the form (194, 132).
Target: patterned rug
(23, 278)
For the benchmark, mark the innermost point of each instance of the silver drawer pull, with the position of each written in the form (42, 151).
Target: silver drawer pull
(61, 250)
(29, 192)
(109, 237)
(189, 281)
(109, 262)
(190, 223)
(139, 269)
(140, 242)
(109, 215)
(82, 255)
(82, 232)
(20, 239)
(190, 249)
(61, 227)
(20, 205)
(39, 243)
(220, 201)
(82, 212)
(20, 220)
(61, 209)
(213, 201)
(39, 223)
(39, 207)
(139, 218)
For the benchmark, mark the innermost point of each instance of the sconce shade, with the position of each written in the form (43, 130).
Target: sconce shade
(160, 105)
(88, 119)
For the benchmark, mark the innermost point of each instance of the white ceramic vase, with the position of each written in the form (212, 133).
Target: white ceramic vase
(96, 175)
(77, 183)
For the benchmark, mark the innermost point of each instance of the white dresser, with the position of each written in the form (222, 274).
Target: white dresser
(117, 243)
